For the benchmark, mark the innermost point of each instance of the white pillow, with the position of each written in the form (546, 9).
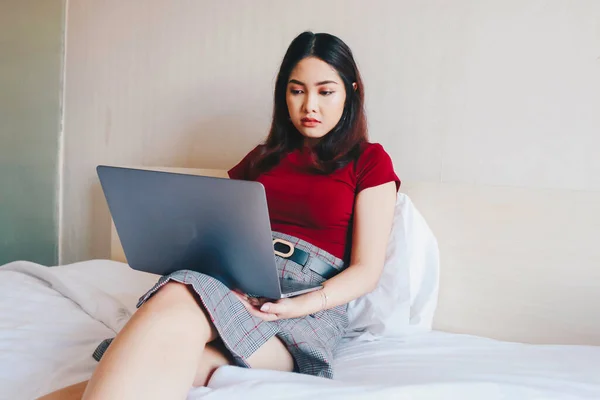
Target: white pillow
(424, 259)
(406, 296)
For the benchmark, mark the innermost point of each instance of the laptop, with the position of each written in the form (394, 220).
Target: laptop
(220, 227)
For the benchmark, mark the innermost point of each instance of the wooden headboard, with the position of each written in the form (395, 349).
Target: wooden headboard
(516, 264)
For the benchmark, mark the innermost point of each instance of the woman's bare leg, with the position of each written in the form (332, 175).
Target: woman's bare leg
(167, 330)
(156, 354)
(272, 355)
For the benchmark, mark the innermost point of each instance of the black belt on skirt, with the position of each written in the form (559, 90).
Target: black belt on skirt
(285, 249)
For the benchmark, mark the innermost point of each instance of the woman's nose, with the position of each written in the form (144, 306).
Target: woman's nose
(310, 103)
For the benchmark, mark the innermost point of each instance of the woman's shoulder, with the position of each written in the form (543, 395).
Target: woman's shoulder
(370, 152)
(374, 166)
(242, 169)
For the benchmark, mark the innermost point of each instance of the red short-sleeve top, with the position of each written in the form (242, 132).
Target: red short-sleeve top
(314, 207)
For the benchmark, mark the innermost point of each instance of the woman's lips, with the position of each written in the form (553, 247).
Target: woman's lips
(310, 122)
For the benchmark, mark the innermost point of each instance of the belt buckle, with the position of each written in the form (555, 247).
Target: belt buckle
(285, 242)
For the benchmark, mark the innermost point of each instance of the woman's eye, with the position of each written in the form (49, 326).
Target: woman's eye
(327, 92)
(295, 91)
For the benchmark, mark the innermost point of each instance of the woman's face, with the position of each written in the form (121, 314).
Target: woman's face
(315, 98)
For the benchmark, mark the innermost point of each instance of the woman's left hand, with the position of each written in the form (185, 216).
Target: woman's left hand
(270, 310)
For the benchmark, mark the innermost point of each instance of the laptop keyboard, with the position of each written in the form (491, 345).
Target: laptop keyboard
(290, 286)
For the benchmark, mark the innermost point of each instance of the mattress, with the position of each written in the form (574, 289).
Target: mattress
(51, 319)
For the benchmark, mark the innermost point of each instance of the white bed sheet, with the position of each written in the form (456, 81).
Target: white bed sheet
(51, 319)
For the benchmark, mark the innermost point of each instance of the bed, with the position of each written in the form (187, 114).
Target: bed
(51, 319)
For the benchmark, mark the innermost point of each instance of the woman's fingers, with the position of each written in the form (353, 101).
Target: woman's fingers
(264, 316)
(259, 314)
(253, 306)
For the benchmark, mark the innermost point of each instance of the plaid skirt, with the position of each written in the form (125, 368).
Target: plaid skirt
(310, 340)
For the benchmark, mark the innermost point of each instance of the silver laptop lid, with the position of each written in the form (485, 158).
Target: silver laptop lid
(171, 221)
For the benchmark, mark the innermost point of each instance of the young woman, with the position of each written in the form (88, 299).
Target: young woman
(331, 197)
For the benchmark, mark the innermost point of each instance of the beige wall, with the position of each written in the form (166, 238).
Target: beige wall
(518, 264)
(501, 93)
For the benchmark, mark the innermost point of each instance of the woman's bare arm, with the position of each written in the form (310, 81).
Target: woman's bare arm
(373, 217)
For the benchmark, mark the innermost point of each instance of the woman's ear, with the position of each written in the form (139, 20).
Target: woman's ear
(355, 86)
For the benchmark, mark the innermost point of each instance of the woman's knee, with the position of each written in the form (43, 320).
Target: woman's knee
(176, 305)
(172, 294)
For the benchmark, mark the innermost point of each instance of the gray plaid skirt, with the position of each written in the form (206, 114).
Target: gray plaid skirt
(310, 339)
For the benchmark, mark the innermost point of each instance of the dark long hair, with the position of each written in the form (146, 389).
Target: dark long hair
(342, 144)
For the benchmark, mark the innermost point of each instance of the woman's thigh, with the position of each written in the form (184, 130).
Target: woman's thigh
(175, 297)
(272, 355)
